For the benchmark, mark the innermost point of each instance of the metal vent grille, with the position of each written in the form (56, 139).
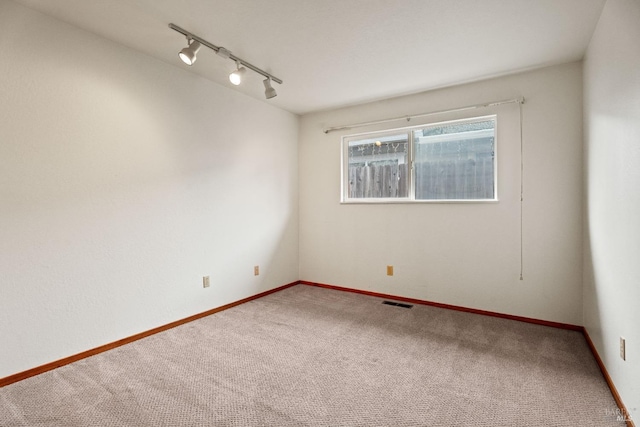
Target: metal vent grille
(397, 304)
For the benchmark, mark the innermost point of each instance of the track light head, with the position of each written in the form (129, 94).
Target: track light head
(188, 54)
(236, 76)
(269, 91)
(194, 43)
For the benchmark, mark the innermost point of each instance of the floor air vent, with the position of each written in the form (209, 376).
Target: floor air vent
(397, 304)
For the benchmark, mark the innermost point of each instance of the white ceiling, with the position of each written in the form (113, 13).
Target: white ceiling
(332, 53)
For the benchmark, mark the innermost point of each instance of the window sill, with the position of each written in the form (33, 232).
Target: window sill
(411, 202)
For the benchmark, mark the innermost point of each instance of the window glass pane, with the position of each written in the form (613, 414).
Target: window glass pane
(378, 167)
(455, 161)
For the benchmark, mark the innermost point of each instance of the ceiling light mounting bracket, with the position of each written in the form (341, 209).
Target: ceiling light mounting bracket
(224, 52)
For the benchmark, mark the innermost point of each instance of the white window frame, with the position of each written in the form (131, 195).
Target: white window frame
(344, 174)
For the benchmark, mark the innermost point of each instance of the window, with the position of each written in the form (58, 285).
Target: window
(449, 161)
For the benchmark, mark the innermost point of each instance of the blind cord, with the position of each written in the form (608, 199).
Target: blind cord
(521, 193)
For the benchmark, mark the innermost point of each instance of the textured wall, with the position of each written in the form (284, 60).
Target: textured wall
(463, 254)
(123, 181)
(612, 208)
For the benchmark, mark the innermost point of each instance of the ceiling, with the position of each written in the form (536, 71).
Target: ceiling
(333, 53)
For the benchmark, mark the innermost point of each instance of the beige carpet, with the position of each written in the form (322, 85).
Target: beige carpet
(308, 356)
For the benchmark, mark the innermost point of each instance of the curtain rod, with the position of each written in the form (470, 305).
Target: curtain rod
(519, 100)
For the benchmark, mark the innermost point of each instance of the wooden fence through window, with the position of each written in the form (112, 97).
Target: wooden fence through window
(462, 179)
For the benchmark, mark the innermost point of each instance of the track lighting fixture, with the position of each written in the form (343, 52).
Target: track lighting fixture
(269, 91)
(188, 56)
(236, 76)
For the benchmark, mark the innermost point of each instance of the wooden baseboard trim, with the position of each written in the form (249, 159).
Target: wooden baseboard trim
(605, 374)
(70, 359)
(449, 306)
(74, 358)
(607, 378)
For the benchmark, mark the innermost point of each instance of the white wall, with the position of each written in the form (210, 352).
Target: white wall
(612, 186)
(123, 181)
(461, 254)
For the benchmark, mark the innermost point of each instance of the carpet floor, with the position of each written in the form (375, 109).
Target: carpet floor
(307, 356)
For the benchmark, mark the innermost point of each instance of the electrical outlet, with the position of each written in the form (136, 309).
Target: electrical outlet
(623, 350)
(205, 282)
(256, 270)
(389, 270)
